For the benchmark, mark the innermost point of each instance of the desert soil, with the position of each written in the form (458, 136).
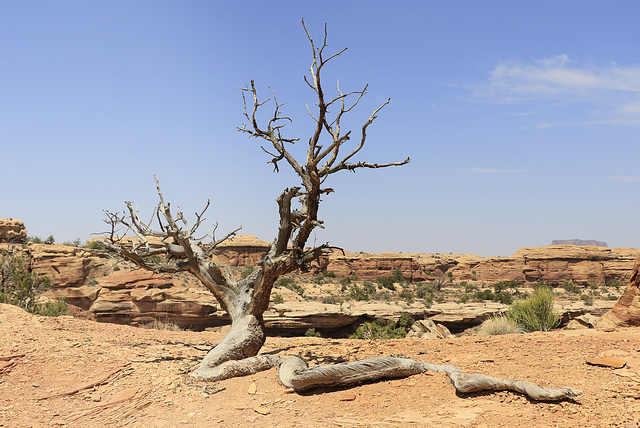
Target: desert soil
(78, 373)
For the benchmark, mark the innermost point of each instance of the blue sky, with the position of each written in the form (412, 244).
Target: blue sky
(522, 119)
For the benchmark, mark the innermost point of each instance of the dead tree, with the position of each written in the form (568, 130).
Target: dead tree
(245, 300)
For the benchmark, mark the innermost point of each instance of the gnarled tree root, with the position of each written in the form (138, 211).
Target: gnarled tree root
(295, 373)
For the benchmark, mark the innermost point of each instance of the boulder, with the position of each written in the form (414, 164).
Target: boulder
(427, 329)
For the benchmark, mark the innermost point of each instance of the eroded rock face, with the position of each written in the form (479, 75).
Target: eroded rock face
(553, 265)
(626, 311)
(88, 280)
(12, 230)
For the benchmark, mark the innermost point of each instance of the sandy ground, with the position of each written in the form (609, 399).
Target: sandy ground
(78, 373)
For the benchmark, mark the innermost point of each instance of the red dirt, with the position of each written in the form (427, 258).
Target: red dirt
(78, 373)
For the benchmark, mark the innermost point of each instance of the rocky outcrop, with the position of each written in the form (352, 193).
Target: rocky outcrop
(626, 311)
(90, 281)
(553, 265)
(578, 242)
(12, 230)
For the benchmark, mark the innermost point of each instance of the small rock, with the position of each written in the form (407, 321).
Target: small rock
(348, 397)
(262, 410)
(616, 363)
(253, 389)
(35, 385)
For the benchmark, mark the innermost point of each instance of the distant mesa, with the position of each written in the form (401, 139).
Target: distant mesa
(579, 242)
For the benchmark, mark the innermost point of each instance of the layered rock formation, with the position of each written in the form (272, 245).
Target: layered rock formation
(626, 311)
(12, 230)
(96, 287)
(553, 265)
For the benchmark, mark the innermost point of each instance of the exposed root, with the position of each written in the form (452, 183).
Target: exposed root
(236, 368)
(295, 373)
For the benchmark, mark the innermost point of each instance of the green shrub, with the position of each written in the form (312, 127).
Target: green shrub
(423, 290)
(277, 298)
(499, 325)
(95, 245)
(588, 300)
(21, 288)
(405, 321)
(51, 308)
(246, 271)
(291, 284)
(366, 292)
(613, 283)
(332, 300)
(50, 240)
(407, 296)
(379, 330)
(570, 288)
(535, 313)
(312, 333)
(501, 286)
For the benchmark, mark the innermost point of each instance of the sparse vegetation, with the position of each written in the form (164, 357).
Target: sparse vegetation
(165, 325)
(312, 333)
(379, 329)
(95, 245)
(21, 288)
(277, 298)
(535, 313)
(569, 287)
(246, 271)
(499, 325)
(291, 284)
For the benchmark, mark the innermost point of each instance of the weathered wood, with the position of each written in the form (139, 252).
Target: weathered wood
(295, 373)
(236, 368)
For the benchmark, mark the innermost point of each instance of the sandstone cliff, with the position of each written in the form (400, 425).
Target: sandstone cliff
(98, 288)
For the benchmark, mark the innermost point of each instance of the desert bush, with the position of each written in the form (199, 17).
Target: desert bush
(94, 245)
(464, 298)
(291, 284)
(21, 288)
(332, 300)
(379, 330)
(423, 290)
(407, 296)
(53, 308)
(535, 313)
(588, 300)
(503, 297)
(312, 333)
(50, 240)
(499, 325)
(439, 282)
(405, 321)
(428, 301)
(613, 283)
(277, 298)
(569, 287)
(165, 325)
(366, 292)
(246, 271)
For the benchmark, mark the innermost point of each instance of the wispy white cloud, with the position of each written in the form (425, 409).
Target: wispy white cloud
(625, 178)
(496, 171)
(611, 93)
